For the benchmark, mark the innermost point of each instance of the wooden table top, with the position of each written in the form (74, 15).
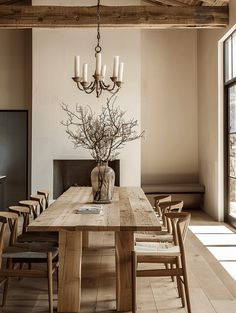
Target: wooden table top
(129, 211)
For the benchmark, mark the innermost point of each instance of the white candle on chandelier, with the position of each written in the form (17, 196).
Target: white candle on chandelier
(98, 63)
(120, 72)
(77, 66)
(85, 72)
(116, 66)
(104, 69)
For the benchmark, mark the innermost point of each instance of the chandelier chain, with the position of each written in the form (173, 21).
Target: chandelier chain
(98, 84)
(98, 48)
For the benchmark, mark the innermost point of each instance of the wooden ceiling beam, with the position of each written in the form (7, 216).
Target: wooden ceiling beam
(215, 2)
(15, 2)
(176, 3)
(113, 16)
(167, 2)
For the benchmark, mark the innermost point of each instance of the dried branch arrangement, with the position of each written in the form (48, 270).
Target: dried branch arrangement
(104, 134)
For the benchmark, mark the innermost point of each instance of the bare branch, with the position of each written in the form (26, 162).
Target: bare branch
(104, 134)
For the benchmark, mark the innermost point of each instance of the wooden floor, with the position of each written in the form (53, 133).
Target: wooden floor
(212, 289)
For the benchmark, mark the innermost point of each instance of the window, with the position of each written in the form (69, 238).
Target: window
(230, 105)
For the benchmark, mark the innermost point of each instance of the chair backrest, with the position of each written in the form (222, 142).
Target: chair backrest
(12, 219)
(169, 206)
(161, 198)
(179, 222)
(24, 211)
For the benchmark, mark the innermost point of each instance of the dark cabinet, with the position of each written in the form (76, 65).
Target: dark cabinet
(2, 192)
(14, 155)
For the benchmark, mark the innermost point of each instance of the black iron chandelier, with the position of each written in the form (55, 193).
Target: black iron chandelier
(98, 83)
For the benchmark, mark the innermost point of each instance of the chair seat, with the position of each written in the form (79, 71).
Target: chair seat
(29, 202)
(162, 237)
(51, 237)
(157, 248)
(30, 250)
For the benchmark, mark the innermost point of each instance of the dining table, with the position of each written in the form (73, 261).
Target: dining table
(129, 212)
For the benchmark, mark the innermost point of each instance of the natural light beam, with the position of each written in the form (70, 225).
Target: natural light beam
(223, 253)
(230, 267)
(217, 239)
(214, 229)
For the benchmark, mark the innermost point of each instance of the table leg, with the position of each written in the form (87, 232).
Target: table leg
(124, 247)
(70, 255)
(85, 239)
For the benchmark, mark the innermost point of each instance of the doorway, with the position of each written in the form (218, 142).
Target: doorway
(14, 155)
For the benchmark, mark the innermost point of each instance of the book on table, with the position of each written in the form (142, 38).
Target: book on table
(89, 209)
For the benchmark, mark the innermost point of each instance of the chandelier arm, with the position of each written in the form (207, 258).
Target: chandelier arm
(104, 86)
(90, 88)
(78, 85)
(109, 87)
(91, 85)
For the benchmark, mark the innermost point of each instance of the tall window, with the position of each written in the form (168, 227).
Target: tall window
(230, 98)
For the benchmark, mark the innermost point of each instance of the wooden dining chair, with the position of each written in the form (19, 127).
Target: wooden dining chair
(159, 199)
(166, 234)
(40, 199)
(45, 193)
(32, 205)
(17, 254)
(165, 253)
(168, 206)
(28, 236)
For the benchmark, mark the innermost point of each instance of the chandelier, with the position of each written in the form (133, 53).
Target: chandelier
(98, 84)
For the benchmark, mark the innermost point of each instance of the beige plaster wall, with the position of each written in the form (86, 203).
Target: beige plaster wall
(169, 106)
(53, 58)
(15, 69)
(208, 103)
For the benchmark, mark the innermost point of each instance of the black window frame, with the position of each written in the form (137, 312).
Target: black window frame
(227, 85)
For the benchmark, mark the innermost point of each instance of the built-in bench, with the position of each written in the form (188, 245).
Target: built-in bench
(191, 194)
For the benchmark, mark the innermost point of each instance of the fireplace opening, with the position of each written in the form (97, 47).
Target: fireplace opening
(67, 173)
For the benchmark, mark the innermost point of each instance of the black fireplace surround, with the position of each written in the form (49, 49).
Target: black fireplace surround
(67, 173)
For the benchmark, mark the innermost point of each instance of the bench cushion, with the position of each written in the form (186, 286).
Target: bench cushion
(173, 188)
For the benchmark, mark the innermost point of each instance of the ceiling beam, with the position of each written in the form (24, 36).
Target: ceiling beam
(167, 2)
(113, 16)
(15, 2)
(215, 2)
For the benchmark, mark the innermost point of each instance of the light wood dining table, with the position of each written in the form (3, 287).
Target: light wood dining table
(130, 211)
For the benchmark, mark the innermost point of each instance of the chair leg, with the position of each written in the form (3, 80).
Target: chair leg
(180, 283)
(159, 212)
(21, 268)
(50, 282)
(57, 273)
(186, 287)
(6, 283)
(134, 271)
(5, 289)
(172, 277)
(168, 266)
(179, 286)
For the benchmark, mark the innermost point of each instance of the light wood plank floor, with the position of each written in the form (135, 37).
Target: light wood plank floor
(212, 289)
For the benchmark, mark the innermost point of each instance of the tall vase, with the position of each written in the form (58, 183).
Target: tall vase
(103, 180)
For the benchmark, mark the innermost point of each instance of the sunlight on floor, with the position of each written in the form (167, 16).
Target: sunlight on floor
(221, 229)
(230, 267)
(217, 239)
(221, 242)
